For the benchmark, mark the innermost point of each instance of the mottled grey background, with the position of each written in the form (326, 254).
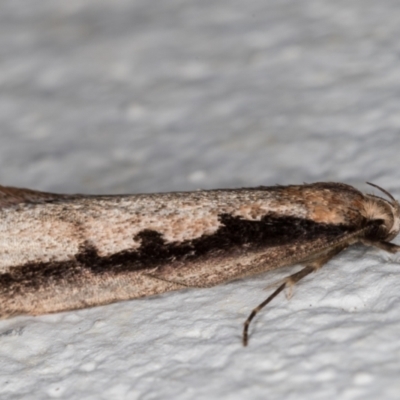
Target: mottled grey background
(140, 96)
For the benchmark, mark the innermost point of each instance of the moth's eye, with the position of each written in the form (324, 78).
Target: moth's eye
(378, 229)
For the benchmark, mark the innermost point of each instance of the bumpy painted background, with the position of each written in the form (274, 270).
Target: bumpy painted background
(137, 96)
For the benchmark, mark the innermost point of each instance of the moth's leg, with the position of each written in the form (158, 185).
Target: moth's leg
(316, 264)
(289, 285)
(387, 246)
(191, 278)
(168, 281)
(290, 281)
(185, 285)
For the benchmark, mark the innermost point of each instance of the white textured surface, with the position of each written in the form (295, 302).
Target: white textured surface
(134, 96)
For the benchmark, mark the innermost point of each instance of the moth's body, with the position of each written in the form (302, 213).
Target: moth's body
(61, 252)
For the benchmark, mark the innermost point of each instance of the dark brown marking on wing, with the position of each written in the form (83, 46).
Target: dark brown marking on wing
(235, 235)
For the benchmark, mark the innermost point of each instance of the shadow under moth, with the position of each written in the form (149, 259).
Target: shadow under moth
(63, 252)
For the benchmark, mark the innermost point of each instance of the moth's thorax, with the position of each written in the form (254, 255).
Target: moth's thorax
(377, 208)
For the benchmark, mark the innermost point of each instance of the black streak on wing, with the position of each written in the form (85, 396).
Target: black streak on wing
(235, 234)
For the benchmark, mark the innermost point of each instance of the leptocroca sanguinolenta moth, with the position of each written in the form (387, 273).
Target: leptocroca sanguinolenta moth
(63, 252)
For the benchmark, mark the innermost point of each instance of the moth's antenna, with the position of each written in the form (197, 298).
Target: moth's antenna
(382, 190)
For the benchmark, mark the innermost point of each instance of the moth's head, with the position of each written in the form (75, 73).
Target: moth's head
(386, 211)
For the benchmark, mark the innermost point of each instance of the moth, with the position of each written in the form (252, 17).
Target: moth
(64, 252)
